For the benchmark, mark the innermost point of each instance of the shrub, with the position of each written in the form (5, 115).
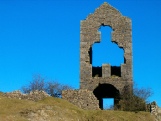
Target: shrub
(38, 83)
(133, 100)
(53, 88)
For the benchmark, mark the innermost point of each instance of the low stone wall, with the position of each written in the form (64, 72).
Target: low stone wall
(82, 98)
(154, 110)
(33, 95)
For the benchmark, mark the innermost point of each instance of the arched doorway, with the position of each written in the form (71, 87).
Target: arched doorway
(106, 91)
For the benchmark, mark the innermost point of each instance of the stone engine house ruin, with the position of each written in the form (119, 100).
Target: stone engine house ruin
(106, 81)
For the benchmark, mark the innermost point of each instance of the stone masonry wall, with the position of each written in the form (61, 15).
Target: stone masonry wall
(154, 109)
(94, 81)
(82, 98)
(105, 15)
(33, 95)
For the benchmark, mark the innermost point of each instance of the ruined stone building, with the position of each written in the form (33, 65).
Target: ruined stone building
(106, 81)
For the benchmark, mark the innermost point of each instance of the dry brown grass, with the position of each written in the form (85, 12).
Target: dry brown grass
(54, 109)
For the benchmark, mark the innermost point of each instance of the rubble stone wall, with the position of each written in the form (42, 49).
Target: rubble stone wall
(84, 99)
(33, 95)
(154, 109)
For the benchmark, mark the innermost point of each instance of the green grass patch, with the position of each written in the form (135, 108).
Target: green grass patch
(57, 109)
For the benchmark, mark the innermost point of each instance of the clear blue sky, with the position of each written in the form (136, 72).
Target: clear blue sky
(43, 37)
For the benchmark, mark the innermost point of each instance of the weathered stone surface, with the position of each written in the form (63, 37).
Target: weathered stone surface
(82, 98)
(105, 79)
(105, 15)
(33, 95)
(154, 110)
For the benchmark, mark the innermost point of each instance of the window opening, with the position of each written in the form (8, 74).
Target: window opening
(108, 103)
(106, 52)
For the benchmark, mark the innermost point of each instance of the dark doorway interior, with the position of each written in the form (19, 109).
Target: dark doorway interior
(106, 91)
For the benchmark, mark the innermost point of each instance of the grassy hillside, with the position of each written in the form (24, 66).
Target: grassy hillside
(54, 109)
